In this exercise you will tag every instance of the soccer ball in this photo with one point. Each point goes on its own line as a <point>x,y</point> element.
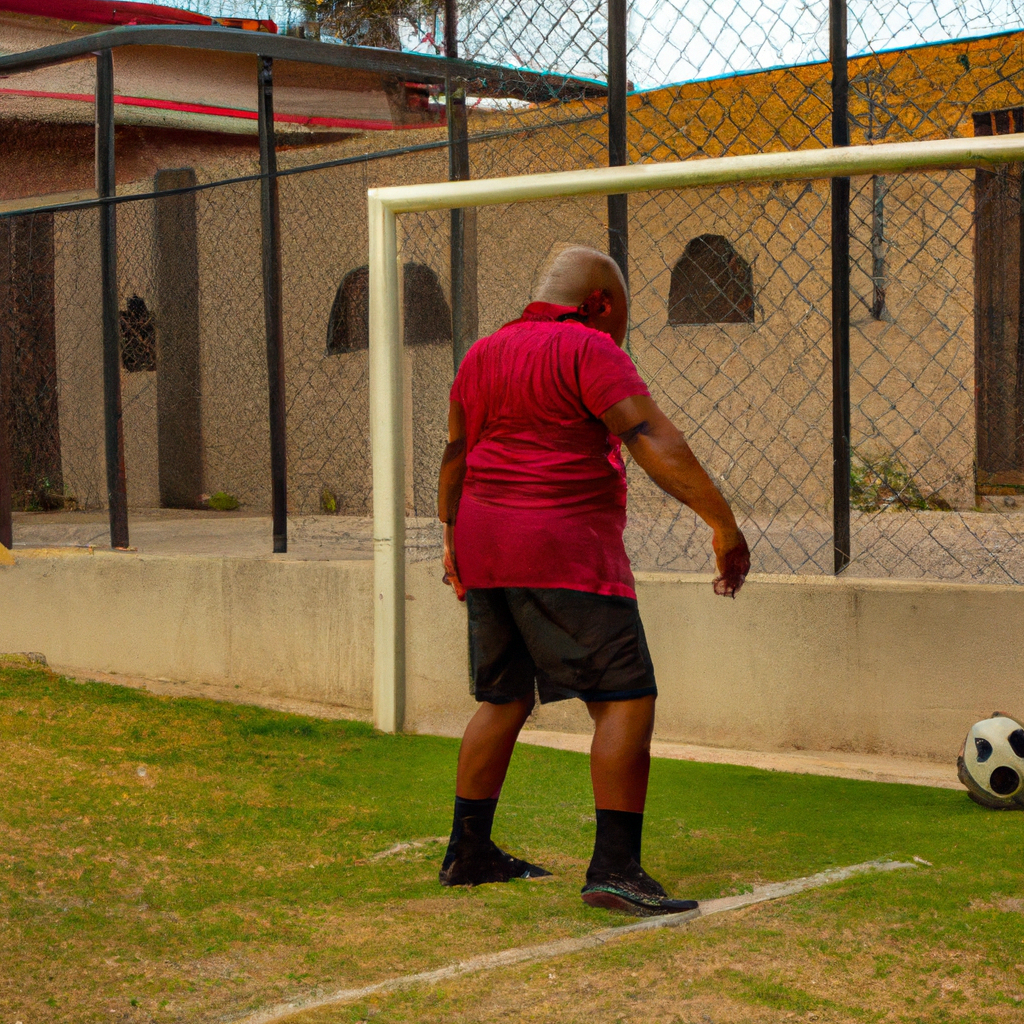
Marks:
<point>991,763</point>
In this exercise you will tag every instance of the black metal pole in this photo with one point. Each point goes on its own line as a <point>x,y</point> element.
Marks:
<point>840,294</point>
<point>6,388</point>
<point>106,185</point>
<point>618,206</point>
<point>271,235</point>
<point>463,222</point>
<point>1019,396</point>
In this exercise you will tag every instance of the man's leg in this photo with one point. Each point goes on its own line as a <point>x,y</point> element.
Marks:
<point>620,754</point>
<point>487,745</point>
<point>620,763</point>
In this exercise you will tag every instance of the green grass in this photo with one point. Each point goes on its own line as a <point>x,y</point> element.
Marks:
<point>180,859</point>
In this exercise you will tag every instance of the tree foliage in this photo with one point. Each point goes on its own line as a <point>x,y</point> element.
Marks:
<point>372,22</point>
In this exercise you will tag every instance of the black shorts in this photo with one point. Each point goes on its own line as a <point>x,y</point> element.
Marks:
<point>569,643</point>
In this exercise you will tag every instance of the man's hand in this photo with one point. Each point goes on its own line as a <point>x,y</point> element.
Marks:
<point>733,558</point>
<point>451,573</point>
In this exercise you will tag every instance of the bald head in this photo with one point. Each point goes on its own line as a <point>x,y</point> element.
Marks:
<point>577,271</point>
<point>573,277</point>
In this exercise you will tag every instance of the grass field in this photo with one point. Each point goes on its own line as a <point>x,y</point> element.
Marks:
<point>179,860</point>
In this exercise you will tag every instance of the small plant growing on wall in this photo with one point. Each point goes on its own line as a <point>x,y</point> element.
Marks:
<point>222,502</point>
<point>883,483</point>
<point>328,502</point>
<point>47,497</point>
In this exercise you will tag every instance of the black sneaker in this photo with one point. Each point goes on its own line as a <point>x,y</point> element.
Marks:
<point>476,864</point>
<point>633,892</point>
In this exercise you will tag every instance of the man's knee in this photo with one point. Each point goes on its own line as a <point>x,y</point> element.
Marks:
<point>512,709</point>
<point>526,705</point>
<point>637,708</point>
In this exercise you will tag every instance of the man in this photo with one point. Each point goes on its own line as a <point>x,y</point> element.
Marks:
<point>532,494</point>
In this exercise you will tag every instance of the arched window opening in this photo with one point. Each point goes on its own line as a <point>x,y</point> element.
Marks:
<point>711,284</point>
<point>138,336</point>
<point>348,329</point>
<point>428,319</point>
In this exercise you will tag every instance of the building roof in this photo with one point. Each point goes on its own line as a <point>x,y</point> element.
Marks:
<point>164,86</point>
<point>124,12</point>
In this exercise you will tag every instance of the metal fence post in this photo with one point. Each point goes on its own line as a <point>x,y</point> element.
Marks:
<point>106,187</point>
<point>271,241</point>
<point>6,395</point>
<point>840,294</point>
<point>463,222</point>
<point>618,206</point>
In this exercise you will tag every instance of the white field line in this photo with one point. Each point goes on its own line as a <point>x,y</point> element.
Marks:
<point>413,844</point>
<point>563,947</point>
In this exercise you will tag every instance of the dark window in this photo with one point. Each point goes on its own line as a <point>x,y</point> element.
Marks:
<point>348,330</point>
<point>138,336</point>
<point>711,284</point>
<point>999,122</point>
<point>428,320</point>
<point>28,361</point>
<point>999,359</point>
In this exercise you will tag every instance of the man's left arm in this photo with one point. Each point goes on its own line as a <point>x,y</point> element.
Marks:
<point>662,452</point>
<point>449,492</point>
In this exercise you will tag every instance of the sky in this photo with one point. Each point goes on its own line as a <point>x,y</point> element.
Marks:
<point>676,40</point>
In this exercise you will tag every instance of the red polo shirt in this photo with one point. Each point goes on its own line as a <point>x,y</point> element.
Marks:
<point>544,499</point>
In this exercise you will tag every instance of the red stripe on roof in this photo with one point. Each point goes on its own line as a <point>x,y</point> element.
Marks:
<point>108,12</point>
<point>202,108</point>
<point>104,12</point>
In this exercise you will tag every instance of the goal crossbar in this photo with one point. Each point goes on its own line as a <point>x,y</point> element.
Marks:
<point>387,438</point>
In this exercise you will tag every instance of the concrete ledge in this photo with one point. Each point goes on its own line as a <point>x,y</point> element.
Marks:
<point>291,629</point>
<point>861,666</point>
<point>888,667</point>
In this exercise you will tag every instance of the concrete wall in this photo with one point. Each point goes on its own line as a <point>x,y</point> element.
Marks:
<point>865,666</point>
<point>279,627</point>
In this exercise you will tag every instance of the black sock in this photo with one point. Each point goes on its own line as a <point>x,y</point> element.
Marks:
<point>472,822</point>
<point>617,842</point>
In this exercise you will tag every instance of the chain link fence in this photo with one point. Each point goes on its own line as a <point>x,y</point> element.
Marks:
<point>731,291</point>
<point>931,261</point>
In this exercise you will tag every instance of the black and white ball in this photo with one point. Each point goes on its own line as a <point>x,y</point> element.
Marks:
<point>991,762</point>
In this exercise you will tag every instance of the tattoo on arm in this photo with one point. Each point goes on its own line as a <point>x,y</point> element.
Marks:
<point>627,437</point>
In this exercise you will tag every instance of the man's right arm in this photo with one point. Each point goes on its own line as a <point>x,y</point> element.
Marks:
<point>662,452</point>
<point>449,491</point>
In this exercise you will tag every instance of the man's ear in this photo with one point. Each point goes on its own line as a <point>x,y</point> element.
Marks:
<point>597,304</point>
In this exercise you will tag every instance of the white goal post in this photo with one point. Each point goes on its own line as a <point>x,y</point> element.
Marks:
<point>387,438</point>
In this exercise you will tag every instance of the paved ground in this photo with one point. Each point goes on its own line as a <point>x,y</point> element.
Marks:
<point>871,767</point>
<point>984,547</point>
<point>236,534</point>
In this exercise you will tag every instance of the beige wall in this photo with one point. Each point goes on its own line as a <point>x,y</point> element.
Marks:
<point>855,665</point>
<point>754,399</point>
<point>79,345</point>
<point>323,238</point>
